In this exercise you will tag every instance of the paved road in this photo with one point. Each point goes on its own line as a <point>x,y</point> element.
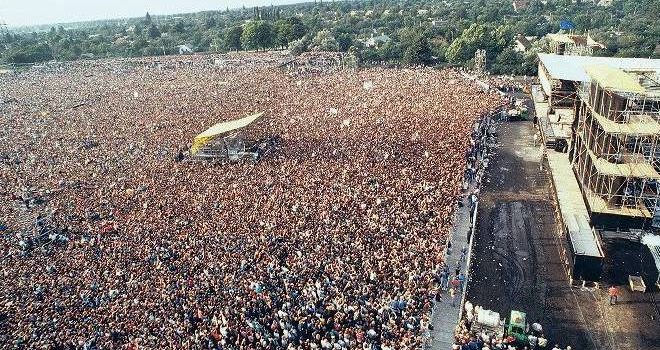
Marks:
<point>445,316</point>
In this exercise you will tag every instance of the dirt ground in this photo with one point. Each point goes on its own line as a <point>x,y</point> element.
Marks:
<point>518,265</point>
<point>635,321</point>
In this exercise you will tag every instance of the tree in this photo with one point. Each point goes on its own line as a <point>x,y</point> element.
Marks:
<point>283,30</point>
<point>324,41</point>
<point>477,36</point>
<point>299,46</point>
<point>233,38</point>
<point>153,32</point>
<point>210,22</point>
<point>344,41</point>
<point>419,52</point>
<point>508,62</point>
<point>298,29</point>
<point>390,51</point>
<point>30,53</point>
<point>138,46</point>
<point>258,35</point>
<point>628,28</point>
<point>179,27</point>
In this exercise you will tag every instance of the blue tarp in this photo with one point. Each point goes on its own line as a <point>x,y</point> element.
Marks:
<point>565,24</point>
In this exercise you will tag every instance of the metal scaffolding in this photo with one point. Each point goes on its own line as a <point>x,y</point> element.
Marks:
<point>480,61</point>
<point>615,145</point>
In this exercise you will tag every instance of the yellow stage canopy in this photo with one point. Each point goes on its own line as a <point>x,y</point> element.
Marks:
<point>221,128</point>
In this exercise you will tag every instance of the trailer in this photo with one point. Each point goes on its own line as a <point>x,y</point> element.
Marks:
<point>636,283</point>
<point>488,321</point>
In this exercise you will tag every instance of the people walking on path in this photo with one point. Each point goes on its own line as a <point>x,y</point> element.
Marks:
<point>455,283</point>
<point>443,277</point>
<point>461,281</point>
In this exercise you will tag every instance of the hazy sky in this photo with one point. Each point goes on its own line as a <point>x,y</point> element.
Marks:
<point>28,12</point>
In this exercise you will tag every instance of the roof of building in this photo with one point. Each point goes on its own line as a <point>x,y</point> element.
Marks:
<point>573,67</point>
<point>577,39</point>
<point>583,239</point>
<point>560,37</point>
<point>379,38</point>
<point>613,78</point>
<point>523,41</point>
<point>520,4</point>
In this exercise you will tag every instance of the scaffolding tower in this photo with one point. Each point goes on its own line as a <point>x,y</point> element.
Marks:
<point>3,27</point>
<point>480,61</point>
<point>615,150</point>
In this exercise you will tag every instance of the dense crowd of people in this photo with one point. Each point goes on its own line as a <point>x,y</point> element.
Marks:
<point>330,242</point>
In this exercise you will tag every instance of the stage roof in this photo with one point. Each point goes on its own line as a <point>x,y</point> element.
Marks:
<point>222,128</point>
<point>573,67</point>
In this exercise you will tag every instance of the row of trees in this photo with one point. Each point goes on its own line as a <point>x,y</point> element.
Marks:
<point>419,32</point>
<point>260,34</point>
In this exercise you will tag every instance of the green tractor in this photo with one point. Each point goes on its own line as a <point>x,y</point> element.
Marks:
<point>517,327</point>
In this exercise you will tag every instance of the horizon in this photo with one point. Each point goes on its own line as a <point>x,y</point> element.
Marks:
<point>18,14</point>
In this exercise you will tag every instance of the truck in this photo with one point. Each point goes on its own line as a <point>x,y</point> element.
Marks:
<point>517,326</point>
<point>489,321</point>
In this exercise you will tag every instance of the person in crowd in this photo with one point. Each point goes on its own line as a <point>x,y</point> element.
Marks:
<point>464,251</point>
<point>461,281</point>
<point>453,294</point>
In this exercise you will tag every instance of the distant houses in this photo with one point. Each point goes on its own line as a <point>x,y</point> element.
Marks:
<point>376,41</point>
<point>523,43</point>
<point>520,5</point>
<point>573,44</point>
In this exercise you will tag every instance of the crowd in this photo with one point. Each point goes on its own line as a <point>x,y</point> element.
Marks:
<point>330,242</point>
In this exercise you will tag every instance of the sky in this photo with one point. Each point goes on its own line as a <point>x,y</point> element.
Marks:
<point>30,12</point>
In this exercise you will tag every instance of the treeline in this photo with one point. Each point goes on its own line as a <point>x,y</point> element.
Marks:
<point>408,32</point>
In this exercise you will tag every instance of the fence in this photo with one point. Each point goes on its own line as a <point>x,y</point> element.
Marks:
<point>484,128</point>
